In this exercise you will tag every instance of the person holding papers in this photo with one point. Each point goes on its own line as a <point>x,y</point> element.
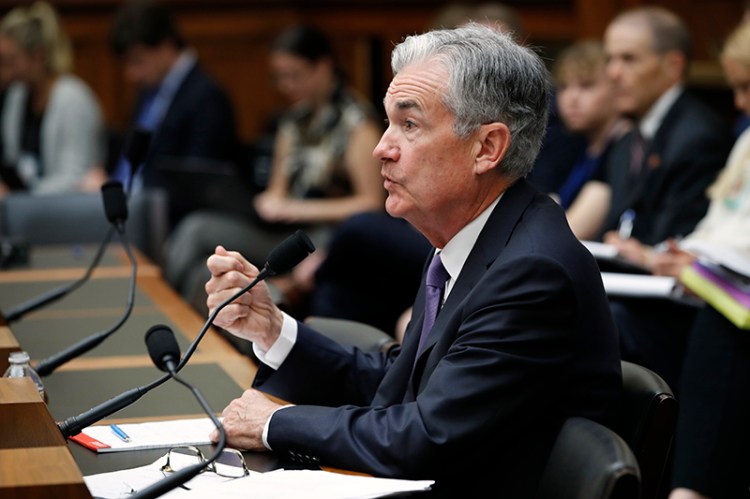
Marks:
<point>651,332</point>
<point>659,171</point>
<point>511,333</point>
<point>711,458</point>
<point>713,435</point>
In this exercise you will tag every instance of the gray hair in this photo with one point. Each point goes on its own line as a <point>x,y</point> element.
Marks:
<point>668,31</point>
<point>490,79</point>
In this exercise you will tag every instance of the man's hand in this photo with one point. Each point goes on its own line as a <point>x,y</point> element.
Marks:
<point>631,249</point>
<point>272,208</point>
<point>244,420</point>
<point>253,315</point>
<point>671,261</point>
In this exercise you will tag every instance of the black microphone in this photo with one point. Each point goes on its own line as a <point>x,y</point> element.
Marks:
<point>281,259</point>
<point>165,353</point>
<point>135,151</point>
<point>163,348</point>
<point>115,202</point>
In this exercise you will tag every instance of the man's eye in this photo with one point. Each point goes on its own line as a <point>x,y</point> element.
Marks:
<point>408,124</point>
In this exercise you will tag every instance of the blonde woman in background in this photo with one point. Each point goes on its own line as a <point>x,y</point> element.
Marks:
<point>713,436</point>
<point>51,122</point>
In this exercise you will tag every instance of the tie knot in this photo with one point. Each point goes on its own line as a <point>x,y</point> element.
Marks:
<point>436,273</point>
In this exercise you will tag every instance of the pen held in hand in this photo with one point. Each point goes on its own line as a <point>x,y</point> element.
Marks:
<point>120,434</point>
<point>625,227</point>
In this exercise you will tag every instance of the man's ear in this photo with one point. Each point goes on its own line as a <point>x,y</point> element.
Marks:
<point>675,64</point>
<point>493,141</point>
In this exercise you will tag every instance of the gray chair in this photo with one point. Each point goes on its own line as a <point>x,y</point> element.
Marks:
<point>649,421</point>
<point>78,218</point>
<point>358,334</point>
<point>589,461</point>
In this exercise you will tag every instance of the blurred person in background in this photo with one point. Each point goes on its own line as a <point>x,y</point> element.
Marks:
<point>190,116</point>
<point>322,173</point>
<point>586,108</point>
<point>658,173</point>
<point>712,436</point>
<point>42,152</point>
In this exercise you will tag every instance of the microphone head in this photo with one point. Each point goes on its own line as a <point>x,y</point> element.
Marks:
<point>137,148</point>
<point>289,253</point>
<point>115,202</point>
<point>162,346</point>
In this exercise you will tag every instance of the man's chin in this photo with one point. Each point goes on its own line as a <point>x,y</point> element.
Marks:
<point>393,207</point>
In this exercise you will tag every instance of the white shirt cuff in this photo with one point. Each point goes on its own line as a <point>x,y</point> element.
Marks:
<point>279,351</point>
<point>268,423</point>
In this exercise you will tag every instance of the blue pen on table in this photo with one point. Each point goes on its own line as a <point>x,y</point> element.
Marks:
<point>120,434</point>
<point>625,227</point>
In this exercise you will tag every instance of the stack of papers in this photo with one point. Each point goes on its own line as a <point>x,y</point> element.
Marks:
<point>101,438</point>
<point>719,289</point>
<point>272,485</point>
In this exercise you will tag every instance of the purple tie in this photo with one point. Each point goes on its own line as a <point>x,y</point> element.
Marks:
<point>435,281</point>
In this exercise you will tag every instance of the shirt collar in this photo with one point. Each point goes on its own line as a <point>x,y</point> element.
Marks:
<point>178,72</point>
<point>654,117</point>
<point>456,251</point>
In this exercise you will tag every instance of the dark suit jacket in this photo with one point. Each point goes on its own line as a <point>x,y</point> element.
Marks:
<point>524,340</point>
<point>198,131</point>
<point>682,160</point>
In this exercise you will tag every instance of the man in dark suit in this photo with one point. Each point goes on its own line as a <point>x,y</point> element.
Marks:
<point>662,168</point>
<point>524,338</point>
<point>191,117</point>
<point>663,183</point>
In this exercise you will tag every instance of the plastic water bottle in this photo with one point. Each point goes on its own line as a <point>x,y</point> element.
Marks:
<point>19,367</point>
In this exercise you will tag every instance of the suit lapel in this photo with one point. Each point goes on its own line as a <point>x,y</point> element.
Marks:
<point>645,185</point>
<point>493,238</point>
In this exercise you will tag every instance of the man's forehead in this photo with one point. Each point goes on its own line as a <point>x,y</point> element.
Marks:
<point>416,86</point>
<point>628,35</point>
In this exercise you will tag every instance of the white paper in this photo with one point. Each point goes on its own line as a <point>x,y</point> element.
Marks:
<point>730,258</point>
<point>306,484</point>
<point>156,434</point>
<point>124,483</point>
<point>601,251</point>
<point>291,484</point>
<point>617,284</point>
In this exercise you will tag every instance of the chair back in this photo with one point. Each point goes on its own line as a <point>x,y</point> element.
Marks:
<point>78,218</point>
<point>649,420</point>
<point>589,461</point>
<point>347,332</point>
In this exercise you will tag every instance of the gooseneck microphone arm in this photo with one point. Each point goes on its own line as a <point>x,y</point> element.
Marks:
<point>55,294</point>
<point>163,349</point>
<point>281,259</point>
<point>48,365</point>
<point>74,425</point>
<point>176,479</point>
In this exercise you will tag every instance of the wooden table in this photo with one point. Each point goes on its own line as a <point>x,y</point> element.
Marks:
<point>118,364</point>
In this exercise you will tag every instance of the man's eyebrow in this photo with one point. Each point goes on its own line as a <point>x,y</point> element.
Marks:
<point>406,104</point>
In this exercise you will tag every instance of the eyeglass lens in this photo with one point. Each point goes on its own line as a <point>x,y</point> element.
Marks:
<point>229,463</point>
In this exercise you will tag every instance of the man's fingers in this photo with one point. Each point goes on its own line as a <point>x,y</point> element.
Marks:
<point>220,264</point>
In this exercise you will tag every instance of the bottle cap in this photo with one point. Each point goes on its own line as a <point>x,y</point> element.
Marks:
<point>18,357</point>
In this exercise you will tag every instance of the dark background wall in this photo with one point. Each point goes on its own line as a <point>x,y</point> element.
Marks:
<point>232,39</point>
